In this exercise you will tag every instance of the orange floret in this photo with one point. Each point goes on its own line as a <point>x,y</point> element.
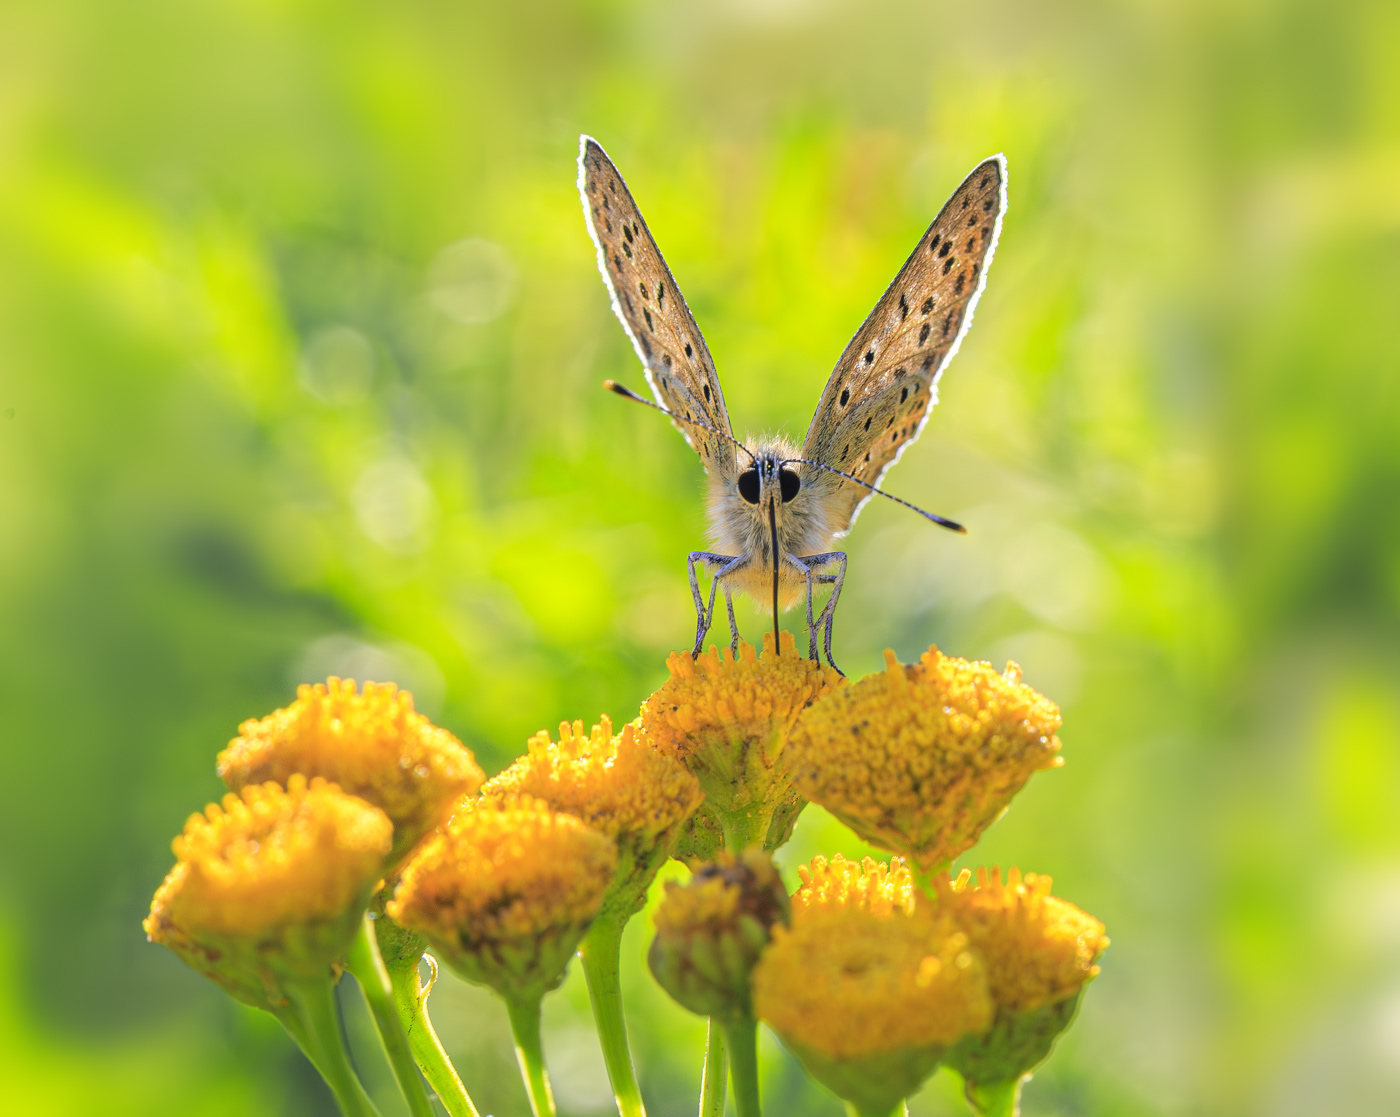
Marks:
<point>869,885</point>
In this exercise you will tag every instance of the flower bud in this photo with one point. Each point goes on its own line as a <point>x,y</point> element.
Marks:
<point>711,930</point>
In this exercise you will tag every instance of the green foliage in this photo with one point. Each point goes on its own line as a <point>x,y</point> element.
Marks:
<point>260,420</point>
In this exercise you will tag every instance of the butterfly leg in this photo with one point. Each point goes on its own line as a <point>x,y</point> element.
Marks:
<point>811,626</point>
<point>835,580</point>
<point>733,626</point>
<point>704,615</point>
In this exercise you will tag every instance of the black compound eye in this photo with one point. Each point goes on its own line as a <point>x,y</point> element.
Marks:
<point>789,483</point>
<point>748,485</point>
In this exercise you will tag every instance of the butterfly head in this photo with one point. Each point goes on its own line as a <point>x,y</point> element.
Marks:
<point>769,476</point>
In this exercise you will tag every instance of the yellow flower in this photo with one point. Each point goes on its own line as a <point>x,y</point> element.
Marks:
<point>869,885</point>
<point>270,884</point>
<point>921,759</point>
<point>728,720</point>
<point>1037,947</point>
<point>619,785</point>
<point>867,992</point>
<point>1039,952</point>
<point>505,891</point>
<point>711,930</point>
<point>373,744</point>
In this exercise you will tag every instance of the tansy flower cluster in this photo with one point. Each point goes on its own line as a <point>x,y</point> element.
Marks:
<point>360,837</point>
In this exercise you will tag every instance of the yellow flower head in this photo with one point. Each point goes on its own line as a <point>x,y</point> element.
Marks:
<point>921,759</point>
<point>711,930</point>
<point>1037,948</point>
<point>506,890</point>
<point>728,720</point>
<point>619,785</point>
<point>270,882</point>
<point>870,1001</point>
<point>1039,952</point>
<point>869,885</point>
<point>851,981</point>
<point>373,744</point>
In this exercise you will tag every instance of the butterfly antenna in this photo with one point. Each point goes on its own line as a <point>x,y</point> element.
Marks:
<point>941,521</point>
<point>627,393</point>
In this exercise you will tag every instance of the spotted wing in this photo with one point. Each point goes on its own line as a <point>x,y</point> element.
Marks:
<point>652,310</point>
<point>886,382</point>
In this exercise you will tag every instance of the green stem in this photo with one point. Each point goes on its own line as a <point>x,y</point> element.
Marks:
<point>412,1000</point>
<point>741,1038</point>
<point>713,1078</point>
<point>923,878</point>
<point>901,1109</point>
<point>311,1008</point>
<point>525,1026</point>
<point>742,830</point>
<point>601,953</point>
<point>368,967</point>
<point>995,1099</point>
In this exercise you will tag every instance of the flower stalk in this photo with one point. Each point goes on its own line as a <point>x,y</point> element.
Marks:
<point>364,961</point>
<point>995,1099</point>
<point>901,1109</point>
<point>714,1076</point>
<point>601,954</point>
<point>524,1014</point>
<point>309,1016</point>
<point>741,1040</point>
<point>411,999</point>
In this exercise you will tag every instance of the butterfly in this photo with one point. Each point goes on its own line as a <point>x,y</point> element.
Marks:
<point>776,509</point>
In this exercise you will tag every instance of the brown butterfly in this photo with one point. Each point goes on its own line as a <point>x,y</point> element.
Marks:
<point>766,497</point>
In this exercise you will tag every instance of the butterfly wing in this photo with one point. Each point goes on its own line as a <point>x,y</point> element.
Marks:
<point>881,392</point>
<point>652,310</point>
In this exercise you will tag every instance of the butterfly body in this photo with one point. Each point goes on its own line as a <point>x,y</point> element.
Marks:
<point>741,526</point>
<point>776,510</point>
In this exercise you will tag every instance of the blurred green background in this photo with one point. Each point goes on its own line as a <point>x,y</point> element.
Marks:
<point>301,343</point>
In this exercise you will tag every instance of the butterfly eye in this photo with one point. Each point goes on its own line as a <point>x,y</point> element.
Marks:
<point>748,485</point>
<point>789,483</point>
